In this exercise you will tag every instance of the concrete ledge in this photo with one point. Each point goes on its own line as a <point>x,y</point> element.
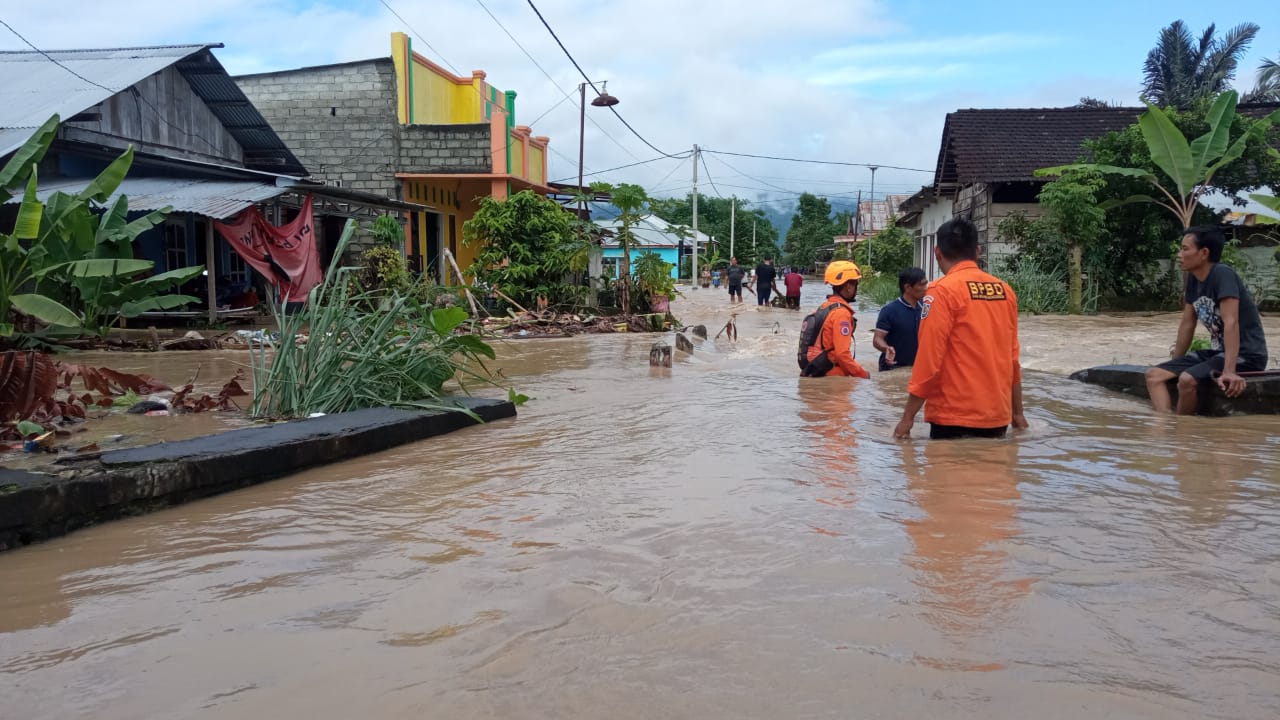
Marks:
<point>138,480</point>
<point>1261,395</point>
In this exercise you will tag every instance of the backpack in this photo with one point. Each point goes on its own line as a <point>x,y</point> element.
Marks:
<point>810,330</point>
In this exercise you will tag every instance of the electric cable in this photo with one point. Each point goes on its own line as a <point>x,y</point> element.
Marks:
<point>592,84</point>
<point>814,162</point>
<point>556,85</point>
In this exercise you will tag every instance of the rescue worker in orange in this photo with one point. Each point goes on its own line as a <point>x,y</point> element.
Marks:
<point>967,374</point>
<point>835,340</point>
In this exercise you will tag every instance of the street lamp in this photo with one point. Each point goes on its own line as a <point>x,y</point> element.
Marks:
<point>604,99</point>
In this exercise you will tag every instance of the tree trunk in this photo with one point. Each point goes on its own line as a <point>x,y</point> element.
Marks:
<point>624,280</point>
<point>1077,279</point>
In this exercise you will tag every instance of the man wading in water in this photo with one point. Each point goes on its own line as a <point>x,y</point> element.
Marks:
<point>735,273</point>
<point>967,368</point>
<point>1216,295</point>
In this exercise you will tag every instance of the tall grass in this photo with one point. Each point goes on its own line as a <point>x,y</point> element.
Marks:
<point>880,289</point>
<point>1044,291</point>
<point>362,349</point>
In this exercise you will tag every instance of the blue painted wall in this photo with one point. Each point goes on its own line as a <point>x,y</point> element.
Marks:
<point>667,254</point>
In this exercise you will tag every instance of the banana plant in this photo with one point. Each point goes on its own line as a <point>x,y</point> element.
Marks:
<point>74,251</point>
<point>1190,165</point>
<point>1271,203</point>
<point>17,270</point>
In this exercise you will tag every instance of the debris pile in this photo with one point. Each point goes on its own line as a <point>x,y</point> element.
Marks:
<point>553,324</point>
<point>38,391</point>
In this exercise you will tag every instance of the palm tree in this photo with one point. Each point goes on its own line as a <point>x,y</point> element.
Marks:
<point>1179,71</point>
<point>1267,88</point>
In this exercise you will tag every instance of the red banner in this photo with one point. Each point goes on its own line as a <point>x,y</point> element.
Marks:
<point>286,256</point>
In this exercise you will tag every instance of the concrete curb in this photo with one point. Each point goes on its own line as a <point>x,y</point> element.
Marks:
<point>128,482</point>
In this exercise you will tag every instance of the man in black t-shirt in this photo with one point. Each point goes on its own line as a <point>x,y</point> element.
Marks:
<point>898,325</point>
<point>765,275</point>
<point>1217,297</point>
<point>735,275</point>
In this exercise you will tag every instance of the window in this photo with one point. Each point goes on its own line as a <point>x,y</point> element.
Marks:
<point>609,267</point>
<point>175,245</point>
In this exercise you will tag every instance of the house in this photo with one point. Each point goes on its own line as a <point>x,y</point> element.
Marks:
<point>987,162</point>
<point>200,148</point>
<point>652,234</point>
<point>405,127</point>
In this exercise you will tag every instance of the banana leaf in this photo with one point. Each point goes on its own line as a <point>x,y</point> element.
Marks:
<point>26,157</point>
<point>1210,146</point>
<point>45,309</point>
<point>108,180</point>
<point>100,268</point>
<point>156,303</point>
<point>1169,149</point>
<point>27,226</point>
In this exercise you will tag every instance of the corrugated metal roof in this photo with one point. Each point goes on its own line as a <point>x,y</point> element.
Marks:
<point>35,88</point>
<point>219,199</point>
<point>650,231</point>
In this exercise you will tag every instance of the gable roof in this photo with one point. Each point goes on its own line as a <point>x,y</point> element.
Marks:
<point>649,231</point>
<point>36,87</point>
<point>1010,144</point>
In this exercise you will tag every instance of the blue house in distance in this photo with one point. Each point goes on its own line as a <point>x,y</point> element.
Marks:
<point>653,234</point>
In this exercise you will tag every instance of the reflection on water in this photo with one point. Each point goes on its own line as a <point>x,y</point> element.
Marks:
<point>725,540</point>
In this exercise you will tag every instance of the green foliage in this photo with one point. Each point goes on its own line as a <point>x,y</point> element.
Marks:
<point>382,267</point>
<point>653,275</point>
<point>1137,236</point>
<point>529,247</point>
<point>714,219</point>
<point>1185,169</point>
<point>364,350</point>
<point>811,228</point>
<point>879,289</point>
<point>1180,70</point>
<point>71,252</point>
<point>892,249</point>
<point>387,230</point>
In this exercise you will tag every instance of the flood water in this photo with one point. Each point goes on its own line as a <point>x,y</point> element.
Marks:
<point>719,540</point>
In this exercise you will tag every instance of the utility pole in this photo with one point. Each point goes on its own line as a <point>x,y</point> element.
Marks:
<point>694,278</point>
<point>857,228</point>
<point>874,168</point>
<point>733,209</point>
<point>582,141</point>
<point>753,237</point>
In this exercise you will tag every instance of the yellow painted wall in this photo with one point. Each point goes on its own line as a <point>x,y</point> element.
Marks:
<point>537,160</point>
<point>517,155</point>
<point>430,95</point>
<point>457,198</point>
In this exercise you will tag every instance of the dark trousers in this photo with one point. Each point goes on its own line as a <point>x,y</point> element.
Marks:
<point>762,294</point>
<point>955,432</point>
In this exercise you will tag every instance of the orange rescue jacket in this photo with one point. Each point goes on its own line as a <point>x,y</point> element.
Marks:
<point>837,336</point>
<point>968,358</point>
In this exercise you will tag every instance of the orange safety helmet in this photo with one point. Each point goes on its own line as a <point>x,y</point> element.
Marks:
<point>841,272</point>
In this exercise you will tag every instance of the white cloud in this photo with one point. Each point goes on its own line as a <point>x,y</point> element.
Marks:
<point>829,79</point>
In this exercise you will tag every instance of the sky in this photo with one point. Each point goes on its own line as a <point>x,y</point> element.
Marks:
<point>857,81</point>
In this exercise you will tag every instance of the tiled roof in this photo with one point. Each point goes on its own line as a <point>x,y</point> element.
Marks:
<point>1010,144</point>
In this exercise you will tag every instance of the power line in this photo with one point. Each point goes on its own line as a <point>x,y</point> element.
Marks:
<point>554,84</point>
<point>137,96</point>
<point>815,162</point>
<point>674,168</point>
<point>424,42</point>
<point>50,58</point>
<point>708,172</point>
<point>592,84</point>
<point>629,165</point>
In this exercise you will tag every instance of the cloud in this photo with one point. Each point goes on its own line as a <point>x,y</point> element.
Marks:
<point>845,80</point>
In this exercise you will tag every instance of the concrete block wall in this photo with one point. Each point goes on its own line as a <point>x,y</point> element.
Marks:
<point>339,120</point>
<point>445,148</point>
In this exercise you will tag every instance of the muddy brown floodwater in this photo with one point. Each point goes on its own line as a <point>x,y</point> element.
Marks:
<point>721,541</point>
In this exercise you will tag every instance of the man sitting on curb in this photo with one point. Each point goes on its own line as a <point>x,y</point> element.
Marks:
<point>1216,295</point>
